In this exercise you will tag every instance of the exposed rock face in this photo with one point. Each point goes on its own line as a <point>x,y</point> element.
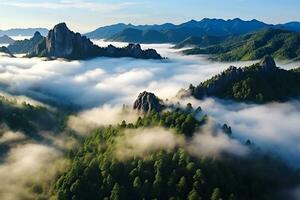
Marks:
<point>268,63</point>
<point>26,46</point>
<point>147,102</point>
<point>63,43</point>
<point>5,51</point>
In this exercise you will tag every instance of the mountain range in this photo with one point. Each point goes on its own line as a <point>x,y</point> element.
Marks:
<point>61,42</point>
<point>281,44</point>
<point>6,40</point>
<point>23,31</point>
<point>260,83</point>
<point>25,46</point>
<point>171,33</point>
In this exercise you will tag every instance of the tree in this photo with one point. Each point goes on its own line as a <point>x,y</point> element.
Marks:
<point>193,195</point>
<point>216,195</point>
<point>182,185</point>
<point>137,183</point>
<point>231,197</point>
<point>116,192</point>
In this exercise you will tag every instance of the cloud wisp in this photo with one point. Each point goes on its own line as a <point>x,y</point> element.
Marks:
<point>209,142</point>
<point>272,127</point>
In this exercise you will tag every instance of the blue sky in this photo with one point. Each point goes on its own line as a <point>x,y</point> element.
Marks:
<point>87,15</point>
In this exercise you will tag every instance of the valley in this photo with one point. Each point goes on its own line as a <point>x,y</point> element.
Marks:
<point>147,100</point>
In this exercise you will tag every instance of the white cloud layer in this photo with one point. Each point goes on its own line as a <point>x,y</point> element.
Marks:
<point>272,127</point>
<point>105,80</point>
<point>209,141</point>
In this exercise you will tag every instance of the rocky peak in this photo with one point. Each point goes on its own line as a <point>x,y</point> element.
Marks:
<point>64,43</point>
<point>61,26</point>
<point>267,62</point>
<point>147,102</point>
<point>37,34</point>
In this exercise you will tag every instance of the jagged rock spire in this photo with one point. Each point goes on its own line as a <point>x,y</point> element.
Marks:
<point>268,62</point>
<point>147,102</point>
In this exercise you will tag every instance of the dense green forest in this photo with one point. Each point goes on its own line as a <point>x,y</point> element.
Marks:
<point>255,83</point>
<point>281,44</point>
<point>97,173</point>
<point>203,41</point>
<point>22,116</point>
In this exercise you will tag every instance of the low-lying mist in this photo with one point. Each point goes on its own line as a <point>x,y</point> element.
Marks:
<point>99,87</point>
<point>92,83</point>
<point>208,141</point>
<point>273,127</point>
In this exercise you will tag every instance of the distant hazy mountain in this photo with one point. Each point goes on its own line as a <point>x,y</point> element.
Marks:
<point>291,26</point>
<point>139,36</point>
<point>170,33</point>
<point>205,27</point>
<point>175,33</point>
<point>6,40</point>
<point>23,31</point>
<point>64,43</point>
<point>195,41</point>
<point>26,46</point>
<point>109,31</point>
<point>281,44</point>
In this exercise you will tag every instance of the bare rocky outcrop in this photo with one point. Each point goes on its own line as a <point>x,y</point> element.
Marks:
<point>147,102</point>
<point>64,43</point>
<point>268,63</point>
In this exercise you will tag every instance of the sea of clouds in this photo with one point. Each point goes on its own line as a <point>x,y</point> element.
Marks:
<point>99,87</point>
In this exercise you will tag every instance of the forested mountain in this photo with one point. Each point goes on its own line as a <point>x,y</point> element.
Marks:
<point>203,41</point>
<point>104,169</point>
<point>291,26</point>
<point>281,44</point>
<point>109,31</point>
<point>139,36</point>
<point>23,31</point>
<point>177,33</point>
<point>28,118</point>
<point>260,83</point>
<point>170,33</point>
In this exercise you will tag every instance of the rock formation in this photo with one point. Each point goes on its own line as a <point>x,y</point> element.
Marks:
<point>6,52</point>
<point>64,43</point>
<point>147,102</point>
<point>26,46</point>
<point>268,63</point>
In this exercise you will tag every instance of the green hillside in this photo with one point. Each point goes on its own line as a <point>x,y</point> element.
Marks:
<point>96,172</point>
<point>281,44</point>
<point>204,41</point>
<point>260,83</point>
